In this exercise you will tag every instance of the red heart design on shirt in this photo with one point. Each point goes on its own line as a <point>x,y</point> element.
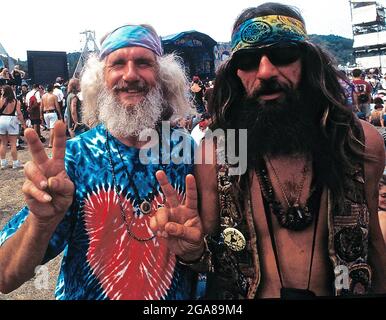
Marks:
<point>126,268</point>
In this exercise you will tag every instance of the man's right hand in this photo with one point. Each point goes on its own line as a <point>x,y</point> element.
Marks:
<point>48,190</point>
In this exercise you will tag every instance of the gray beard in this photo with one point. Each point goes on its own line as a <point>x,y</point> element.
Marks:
<point>123,121</point>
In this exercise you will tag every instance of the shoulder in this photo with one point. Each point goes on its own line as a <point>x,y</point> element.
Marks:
<point>374,153</point>
<point>79,146</point>
<point>373,139</point>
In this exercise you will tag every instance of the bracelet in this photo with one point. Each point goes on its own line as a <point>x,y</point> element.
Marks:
<point>205,258</point>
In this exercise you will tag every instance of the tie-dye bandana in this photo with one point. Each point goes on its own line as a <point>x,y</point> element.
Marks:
<point>261,31</point>
<point>101,260</point>
<point>131,36</point>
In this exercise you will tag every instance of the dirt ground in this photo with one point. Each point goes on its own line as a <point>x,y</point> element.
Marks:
<point>11,201</point>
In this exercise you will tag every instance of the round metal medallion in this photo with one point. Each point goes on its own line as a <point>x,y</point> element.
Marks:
<point>234,239</point>
<point>145,207</point>
<point>349,243</point>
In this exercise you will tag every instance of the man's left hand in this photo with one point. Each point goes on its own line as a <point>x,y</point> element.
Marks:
<point>179,223</point>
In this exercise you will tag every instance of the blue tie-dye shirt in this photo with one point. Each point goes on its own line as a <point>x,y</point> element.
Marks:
<point>101,260</point>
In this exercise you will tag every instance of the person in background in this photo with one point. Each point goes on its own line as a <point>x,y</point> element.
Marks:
<point>376,116</point>
<point>10,115</point>
<point>73,111</point>
<point>198,90</point>
<point>59,94</point>
<point>17,75</point>
<point>50,110</point>
<point>349,90</point>
<point>362,93</point>
<point>382,205</point>
<point>33,99</point>
<point>5,78</point>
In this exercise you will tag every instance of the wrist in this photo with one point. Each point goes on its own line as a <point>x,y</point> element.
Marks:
<point>202,262</point>
<point>46,224</point>
<point>192,257</point>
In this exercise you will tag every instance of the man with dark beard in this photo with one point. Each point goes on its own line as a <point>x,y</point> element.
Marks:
<point>94,198</point>
<point>302,222</point>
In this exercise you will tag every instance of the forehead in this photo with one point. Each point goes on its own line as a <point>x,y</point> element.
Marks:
<point>131,53</point>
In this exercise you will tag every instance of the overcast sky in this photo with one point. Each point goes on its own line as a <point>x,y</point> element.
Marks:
<point>57,25</point>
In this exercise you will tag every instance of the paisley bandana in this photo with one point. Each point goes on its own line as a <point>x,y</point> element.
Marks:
<point>131,36</point>
<point>261,31</point>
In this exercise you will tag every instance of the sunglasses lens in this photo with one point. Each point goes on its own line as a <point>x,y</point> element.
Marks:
<point>283,55</point>
<point>247,61</point>
<point>279,55</point>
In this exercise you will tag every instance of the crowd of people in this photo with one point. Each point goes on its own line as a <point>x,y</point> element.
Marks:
<point>39,108</point>
<point>191,227</point>
<point>366,94</point>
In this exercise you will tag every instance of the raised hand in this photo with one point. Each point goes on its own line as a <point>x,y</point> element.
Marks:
<point>48,190</point>
<point>178,222</point>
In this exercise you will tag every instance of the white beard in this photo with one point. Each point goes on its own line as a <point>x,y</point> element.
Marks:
<point>130,121</point>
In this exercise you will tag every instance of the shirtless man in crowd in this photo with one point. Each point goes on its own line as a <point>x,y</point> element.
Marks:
<point>50,110</point>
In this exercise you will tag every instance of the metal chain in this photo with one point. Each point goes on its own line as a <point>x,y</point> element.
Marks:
<point>128,226</point>
<point>305,170</point>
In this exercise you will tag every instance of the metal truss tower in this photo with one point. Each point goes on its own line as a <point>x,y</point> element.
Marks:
<point>90,46</point>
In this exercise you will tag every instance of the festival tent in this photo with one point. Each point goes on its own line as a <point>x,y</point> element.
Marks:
<point>4,54</point>
<point>196,49</point>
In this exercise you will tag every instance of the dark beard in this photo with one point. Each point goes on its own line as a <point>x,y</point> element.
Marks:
<point>284,126</point>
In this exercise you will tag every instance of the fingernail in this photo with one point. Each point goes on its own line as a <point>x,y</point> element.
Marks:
<point>43,184</point>
<point>47,197</point>
<point>165,234</point>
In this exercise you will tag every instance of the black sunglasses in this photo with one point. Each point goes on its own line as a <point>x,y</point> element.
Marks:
<point>278,55</point>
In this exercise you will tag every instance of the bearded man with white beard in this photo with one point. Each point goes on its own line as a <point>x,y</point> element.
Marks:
<point>94,198</point>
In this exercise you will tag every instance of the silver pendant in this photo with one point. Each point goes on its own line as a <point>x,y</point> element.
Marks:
<point>145,207</point>
<point>234,239</point>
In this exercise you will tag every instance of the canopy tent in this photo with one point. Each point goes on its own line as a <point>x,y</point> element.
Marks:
<point>4,54</point>
<point>196,49</point>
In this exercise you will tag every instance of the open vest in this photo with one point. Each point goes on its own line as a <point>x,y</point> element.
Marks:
<point>237,274</point>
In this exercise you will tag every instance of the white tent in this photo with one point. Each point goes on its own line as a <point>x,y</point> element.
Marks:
<point>4,53</point>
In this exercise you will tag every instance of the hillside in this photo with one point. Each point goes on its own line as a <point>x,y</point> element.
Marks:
<point>339,47</point>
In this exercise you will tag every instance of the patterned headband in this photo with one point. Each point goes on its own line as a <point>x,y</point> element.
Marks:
<point>261,31</point>
<point>131,36</point>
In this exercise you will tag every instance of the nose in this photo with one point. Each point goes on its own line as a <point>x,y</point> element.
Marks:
<point>130,72</point>
<point>267,69</point>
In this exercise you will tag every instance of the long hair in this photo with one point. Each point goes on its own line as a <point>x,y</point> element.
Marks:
<point>382,182</point>
<point>8,94</point>
<point>170,75</point>
<point>73,86</point>
<point>338,149</point>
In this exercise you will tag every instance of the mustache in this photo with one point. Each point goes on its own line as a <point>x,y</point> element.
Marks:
<point>139,86</point>
<point>270,86</point>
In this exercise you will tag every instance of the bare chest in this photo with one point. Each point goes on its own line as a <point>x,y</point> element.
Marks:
<point>301,256</point>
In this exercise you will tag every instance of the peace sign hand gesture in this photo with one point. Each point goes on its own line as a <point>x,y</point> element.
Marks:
<point>48,190</point>
<point>179,223</point>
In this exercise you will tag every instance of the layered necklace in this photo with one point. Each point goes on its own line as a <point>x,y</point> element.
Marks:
<point>144,205</point>
<point>296,217</point>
